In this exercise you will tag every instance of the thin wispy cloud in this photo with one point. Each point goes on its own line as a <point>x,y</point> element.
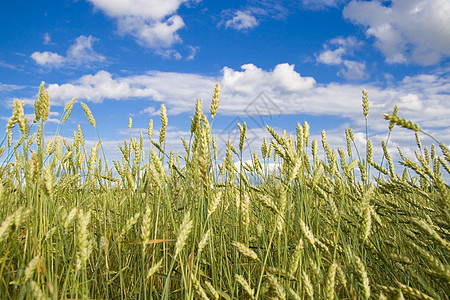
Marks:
<point>320,4</point>
<point>193,51</point>
<point>47,39</point>
<point>241,20</point>
<point>253,13</point>
<point>81,52</point>
<point>333,54</point>
<point>9,66</point>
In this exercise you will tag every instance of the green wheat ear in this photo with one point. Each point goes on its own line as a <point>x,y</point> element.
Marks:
<point>89,114</point>
<point>365,104</point>
<point>303,229</point>
<point>215,101</point>
<point>394,119</point>
<point>402,122</point>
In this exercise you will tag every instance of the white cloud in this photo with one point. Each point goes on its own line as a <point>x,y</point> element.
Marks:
<point>422,98</point>
<point>169,53</point>
<point>277,9</point>
<point>151,33</point>
<point>96,88</point>
<point>9,66</point>
<point>251,80</point>
<point>155,9</point>
<point>241,20</point>
<point>172,88</point>
<point>353,70</point>
<point>154,24</point>
<point>194,51</point>
<point>149,111</point>
<point>81,52</point>
<point>6,89</point>
<point>255,12</point>
<point>47,58</point>
<point>331,57</point>
<point>416,31</point>
<point>320,4</point>
<point>350,69</point>
<point>47,39</point>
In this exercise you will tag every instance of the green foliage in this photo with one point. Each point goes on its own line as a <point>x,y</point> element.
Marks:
<point>72,227</point>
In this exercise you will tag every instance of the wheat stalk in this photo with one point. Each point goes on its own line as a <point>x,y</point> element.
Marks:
<point>36,291</point>
<point>85,246</point>
<point>246,251</point>
<point>212,290</point>
<point>152,271</point>
<point>329,285</point>
<point>185,230</point>
<point>89,115</point>
<point>199,289</point>
<point>243,136</point>
<point>31,267</point>
<point>203,241</point>
<point>279,289</point>
<point>245,285</point>
<point>68,109</point>
<point>215,100</point>
<point>146,228</point>
<point>293,267</point>
<point>364,277</point>
<point>365,103</point>
<point>307,233</point>
<point>402,122</point>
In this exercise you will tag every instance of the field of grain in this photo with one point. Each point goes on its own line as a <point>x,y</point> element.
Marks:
<point>160,225</point>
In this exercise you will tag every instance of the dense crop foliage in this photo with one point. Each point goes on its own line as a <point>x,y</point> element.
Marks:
<point>165,226</point>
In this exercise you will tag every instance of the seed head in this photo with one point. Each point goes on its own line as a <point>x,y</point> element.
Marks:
<point>185,230</point>
<point>88,113</point>
<point>402,122</point>
<point>162,132</point>
<point>305,133</point>
<point>150,130</point>
<point>243,136</point>
<point>391,123</point>
<point>365,103</point>
<point>246,251</point>
<point>215,101</point>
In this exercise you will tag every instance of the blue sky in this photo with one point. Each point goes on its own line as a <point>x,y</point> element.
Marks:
<point>278,63</point>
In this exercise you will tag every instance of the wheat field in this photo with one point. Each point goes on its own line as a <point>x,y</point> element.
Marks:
<point>159,225</point>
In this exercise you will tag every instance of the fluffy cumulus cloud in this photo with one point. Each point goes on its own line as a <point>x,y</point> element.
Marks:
<point>96,88</point>
<point>172,88</point>
<point>422,98</point>
<point>252,91</point>
<point>252,79</point>
<point>81,52</point>
<point>241,20</point>
<point>154,24</point>
<point>333,52</point>
<point>405,31</point>
<point>47,58</point>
